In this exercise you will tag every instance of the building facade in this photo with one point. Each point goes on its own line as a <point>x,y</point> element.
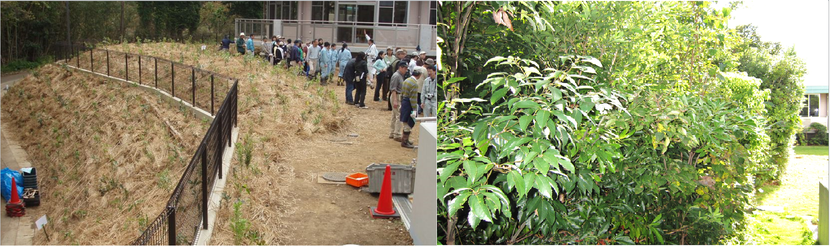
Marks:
<point>405,24</point>
<point>815,106</point>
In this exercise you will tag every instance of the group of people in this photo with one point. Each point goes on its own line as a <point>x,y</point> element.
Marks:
<point>407,82</point>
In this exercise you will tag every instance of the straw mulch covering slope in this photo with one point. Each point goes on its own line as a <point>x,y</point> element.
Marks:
<point>295,129</point>
<point>106,160</point>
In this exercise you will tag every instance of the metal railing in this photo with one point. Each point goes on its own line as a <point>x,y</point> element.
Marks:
<point>186,210</point>
<point>190,84</point>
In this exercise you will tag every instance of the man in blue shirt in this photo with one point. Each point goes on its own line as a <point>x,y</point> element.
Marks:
<point>324,63</point>
<point>226,43</point>
<point>250,44</point>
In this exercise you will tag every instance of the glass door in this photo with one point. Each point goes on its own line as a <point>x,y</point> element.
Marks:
<point>350,18</point>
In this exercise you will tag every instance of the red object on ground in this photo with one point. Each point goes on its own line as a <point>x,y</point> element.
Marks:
<point>385,208</point>
<point>15,207</point>
<point>15,196</point>
<point>357,179</point>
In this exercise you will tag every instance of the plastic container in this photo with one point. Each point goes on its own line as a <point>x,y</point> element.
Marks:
<point>357,179</point>
<point>30,181</point>
<point>403,178</point>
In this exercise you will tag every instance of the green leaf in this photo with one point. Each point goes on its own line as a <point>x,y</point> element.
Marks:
<point>471,169</point>
<point>457,202</point>
<point>495,59</point>
<point>473,220</point>
<point>557,94</point>
<point>499,94</point>
<point>518,182</point>
<point>542,166</point>
<point>498,193</point>
<point>591,60</point>
<point>478,208</point>
<point>524,121</point>
<point>542,184</point>
<point>586,106</point>
<point>566,163</point>
<point>528,178</point>
<point>449,170</point>
<point>527,104</point>
<point>542,117</point>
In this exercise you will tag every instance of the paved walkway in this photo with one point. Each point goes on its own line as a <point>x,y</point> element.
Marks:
<point>15,230</point>
<point>18,230</point>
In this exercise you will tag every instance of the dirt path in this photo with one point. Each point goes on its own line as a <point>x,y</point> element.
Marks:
<point>301,211</point>
<point>340,214</point>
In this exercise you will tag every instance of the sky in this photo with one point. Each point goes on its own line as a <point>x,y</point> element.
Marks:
<point>802,24</point>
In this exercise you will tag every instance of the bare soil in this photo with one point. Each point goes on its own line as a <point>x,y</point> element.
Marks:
<point>296,129</point>
<point>105,159</point>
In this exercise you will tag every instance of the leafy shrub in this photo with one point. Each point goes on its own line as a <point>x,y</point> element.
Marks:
<point>558,155</point>
<point>820,137</point>
<point>18,65</point>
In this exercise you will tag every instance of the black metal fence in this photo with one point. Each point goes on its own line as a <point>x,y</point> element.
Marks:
<point>196,86</point>
<point>186,211</point>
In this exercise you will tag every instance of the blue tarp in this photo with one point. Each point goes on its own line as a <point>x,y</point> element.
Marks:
<point>6,176</point>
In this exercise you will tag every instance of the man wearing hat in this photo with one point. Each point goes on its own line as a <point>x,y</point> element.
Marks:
<point>240,43</point>
<point>409,98</point>
<point>394,99</point>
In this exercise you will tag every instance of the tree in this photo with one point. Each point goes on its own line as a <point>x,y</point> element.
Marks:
<point>781,73</point>
<point>214,15</point>
<point>246,9</point>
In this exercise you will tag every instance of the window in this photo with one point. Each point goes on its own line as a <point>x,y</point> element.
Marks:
<point>347,12</point>
<point>433,8</point>
<point>810,108</point>
<point>322,10</point>
<point>392,12</point>
<point>282,10</point>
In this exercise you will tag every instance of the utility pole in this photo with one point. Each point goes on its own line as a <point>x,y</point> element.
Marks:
<point>68,33</point>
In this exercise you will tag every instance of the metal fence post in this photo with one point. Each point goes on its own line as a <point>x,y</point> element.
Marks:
<point>235,100</point>
<point>171,226</point>
<point>78,58</point>
<point>172,79</point>
<point>193,85</point>
<point>108,62</point>
<point>91,60</point>
<point>139,69</point>
<point>156,71</point>
<point>211,97</point>
<point>126,67</point>
<point>204,188</point>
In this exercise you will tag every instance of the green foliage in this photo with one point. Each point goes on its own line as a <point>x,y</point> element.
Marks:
<point>820,137</point>
<point>244,149</point>
<point>168,19</point>
<point>245,9</point>
<point>241,228</point>
<point>18,65</point>
<point>644,133</point>
<point>781,73</point>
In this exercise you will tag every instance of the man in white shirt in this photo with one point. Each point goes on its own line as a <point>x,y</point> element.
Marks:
<point>371,55</point>
<point>313,58</point>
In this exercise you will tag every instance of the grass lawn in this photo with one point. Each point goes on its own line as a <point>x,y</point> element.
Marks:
<point>811,150</point>
<point>776,229</point>
<point>797,194</point>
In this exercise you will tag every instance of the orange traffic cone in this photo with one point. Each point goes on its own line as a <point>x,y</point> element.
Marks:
<point>15,206</point>
<point>385,208</point>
